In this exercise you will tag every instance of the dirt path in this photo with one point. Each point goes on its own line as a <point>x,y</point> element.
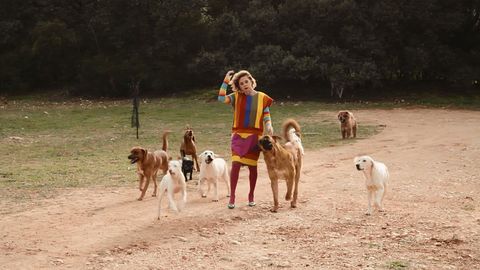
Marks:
<point>432,218</point>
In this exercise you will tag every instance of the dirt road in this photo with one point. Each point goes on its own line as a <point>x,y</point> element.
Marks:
<point>432,218</point>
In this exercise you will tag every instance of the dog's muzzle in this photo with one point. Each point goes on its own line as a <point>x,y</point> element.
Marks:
<point>342,120</point>
<point>266,144</point>
<point>208,160</point>
<point>358,167</point>
<point>133,159</point>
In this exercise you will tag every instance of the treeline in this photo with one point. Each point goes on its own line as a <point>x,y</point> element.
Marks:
<point>108,47</point>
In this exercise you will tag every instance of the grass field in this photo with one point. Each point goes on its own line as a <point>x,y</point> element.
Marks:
<point>80,143</point>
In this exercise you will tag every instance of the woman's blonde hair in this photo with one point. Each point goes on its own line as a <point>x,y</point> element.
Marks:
<point>236,78</point>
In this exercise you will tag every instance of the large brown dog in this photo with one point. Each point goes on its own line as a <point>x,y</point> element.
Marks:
<point>188,146</point>
<point>348,124</point>
<point>284,161</point>
<point>148,165</point>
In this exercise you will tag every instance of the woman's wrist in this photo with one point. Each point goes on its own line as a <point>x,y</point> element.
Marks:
<point>268,124</point>
<point>268,127</point>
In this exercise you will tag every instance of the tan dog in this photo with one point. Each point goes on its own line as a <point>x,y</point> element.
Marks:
<point>188,146</point>
<point>284,161</point>
<point>348,124</point>
<point>148,165</point>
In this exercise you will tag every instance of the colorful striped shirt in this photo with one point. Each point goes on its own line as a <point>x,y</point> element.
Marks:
<point>250,112</point>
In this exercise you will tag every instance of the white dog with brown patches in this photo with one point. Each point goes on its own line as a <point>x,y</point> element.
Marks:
<point>173,182</point>
<point>212,169</point>
<point>376,178</point>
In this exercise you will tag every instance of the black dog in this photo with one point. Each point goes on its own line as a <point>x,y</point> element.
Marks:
<point>187,167</point>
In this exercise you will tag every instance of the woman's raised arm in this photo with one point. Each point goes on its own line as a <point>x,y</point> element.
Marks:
<point>222,93</point>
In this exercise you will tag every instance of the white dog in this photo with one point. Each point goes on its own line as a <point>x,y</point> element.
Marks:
<point>212,168</point>
<point>173,182</point>
<point>376,178</point>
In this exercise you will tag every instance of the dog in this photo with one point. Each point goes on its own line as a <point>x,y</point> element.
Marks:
<point>284,161</point>
<point>212,169</point>
<point>173,182</point>
<point>348,124</point>
<point>188,146</point>
<point>148,165</point>
<point>376,178</point>
<point>187,167</point>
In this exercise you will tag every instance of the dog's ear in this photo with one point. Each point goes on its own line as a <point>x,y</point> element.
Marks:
<point>193,138</point>
<point>339,114</point>
<point>144,151</point>
<point>277,138</point>
<point>372,162</point>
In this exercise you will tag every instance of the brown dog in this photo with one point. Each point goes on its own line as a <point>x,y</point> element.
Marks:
<point>284,161</point>
<point>348,124</point>
<point>188,146</point>
<point>148,165</point>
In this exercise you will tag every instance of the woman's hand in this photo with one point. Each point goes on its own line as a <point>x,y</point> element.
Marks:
<point>228,76</point>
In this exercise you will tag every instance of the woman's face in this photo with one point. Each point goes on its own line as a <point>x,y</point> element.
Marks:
<point>245,84</point>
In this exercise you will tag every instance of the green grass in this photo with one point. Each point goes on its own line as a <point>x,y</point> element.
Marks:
<point>79,143</point>
<point>458,102</point>
<point>397,265</point>
<point>468,207</point>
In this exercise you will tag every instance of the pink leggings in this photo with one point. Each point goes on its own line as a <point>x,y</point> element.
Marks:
<point>234,180</point>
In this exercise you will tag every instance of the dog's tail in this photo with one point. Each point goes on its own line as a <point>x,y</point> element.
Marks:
<point>165,141</point>
<point>287,125</point>
<point>292,133</point>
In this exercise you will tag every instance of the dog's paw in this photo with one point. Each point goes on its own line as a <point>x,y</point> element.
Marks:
<point>293,205</point>
<point>274,210</point>
<point>204,195</point>
<point>368,213</point>
<point>215,200</point>
<point>139,199</point>
<point>228,196</point>
<point>154,195</point>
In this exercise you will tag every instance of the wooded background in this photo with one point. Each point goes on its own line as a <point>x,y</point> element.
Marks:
<point>337,47</point>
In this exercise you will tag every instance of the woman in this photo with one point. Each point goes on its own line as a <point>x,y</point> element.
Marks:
<point>251,115</point>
